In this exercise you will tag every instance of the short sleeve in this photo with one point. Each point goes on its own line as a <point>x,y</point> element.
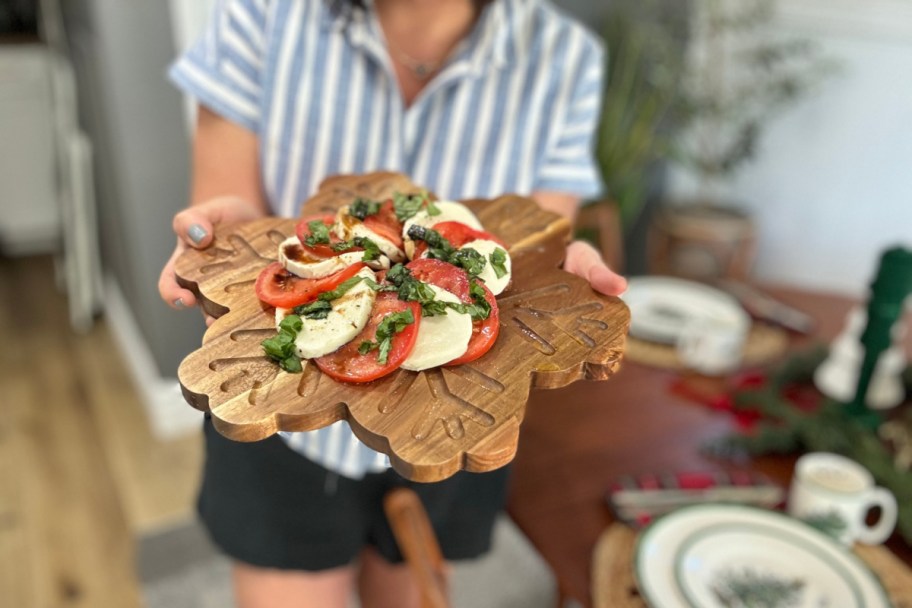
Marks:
<point>222,70</point>
<point>569,165</point>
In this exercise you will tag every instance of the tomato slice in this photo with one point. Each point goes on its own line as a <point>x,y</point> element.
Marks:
<point>458,234</point>
<point>484,333</point>
<point>386,224</point>
<point>348,365</point>
<point>278,287</point>
<point>443,275</point>
<point>321,251</point>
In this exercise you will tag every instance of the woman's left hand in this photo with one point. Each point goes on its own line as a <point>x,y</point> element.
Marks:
<point>584,261</point>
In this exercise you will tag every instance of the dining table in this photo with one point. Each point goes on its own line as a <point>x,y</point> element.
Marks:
<point>576,441</point>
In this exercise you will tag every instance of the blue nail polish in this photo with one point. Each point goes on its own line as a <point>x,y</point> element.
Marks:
<point>197,233</point>
<point>179,303</point>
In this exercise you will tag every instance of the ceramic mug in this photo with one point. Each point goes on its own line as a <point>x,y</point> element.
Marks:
<point>835,493</point>
<point>712,346</point>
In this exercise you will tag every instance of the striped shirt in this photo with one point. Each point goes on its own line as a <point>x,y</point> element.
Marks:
<point>513,110</point>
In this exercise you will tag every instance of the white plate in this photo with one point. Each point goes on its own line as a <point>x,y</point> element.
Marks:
<point>695,556</point>
<point>660,307</point>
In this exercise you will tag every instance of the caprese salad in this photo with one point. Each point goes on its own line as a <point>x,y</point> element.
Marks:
<point>407,282</point>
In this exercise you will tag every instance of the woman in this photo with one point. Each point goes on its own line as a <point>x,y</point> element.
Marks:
<point>471,99</point>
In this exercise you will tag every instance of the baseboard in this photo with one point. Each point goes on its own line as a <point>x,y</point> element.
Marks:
<point>169,416</point>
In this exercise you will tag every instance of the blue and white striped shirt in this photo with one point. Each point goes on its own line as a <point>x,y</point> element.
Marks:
<point>513,110</point>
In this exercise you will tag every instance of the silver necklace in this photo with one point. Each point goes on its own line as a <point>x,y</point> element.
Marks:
<point>422,70</point>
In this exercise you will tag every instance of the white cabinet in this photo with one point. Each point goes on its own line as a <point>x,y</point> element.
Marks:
<point>29,213</point>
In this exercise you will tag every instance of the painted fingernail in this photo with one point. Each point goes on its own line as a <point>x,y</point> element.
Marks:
<point>196,233</point>
<point>179,303</point>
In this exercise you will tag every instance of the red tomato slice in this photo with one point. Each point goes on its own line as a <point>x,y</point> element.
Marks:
<point>349,365</point>
<point>386,224</point>
<point>278,287</point>
<point>458,234</point>
<point>484,333</point>
<point>443,275</point>
<point>321,251</point>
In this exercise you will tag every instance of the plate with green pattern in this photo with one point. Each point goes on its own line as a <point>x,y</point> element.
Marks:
<point>731,556</point>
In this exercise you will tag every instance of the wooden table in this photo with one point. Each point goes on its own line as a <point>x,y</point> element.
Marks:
<point>575,441</point>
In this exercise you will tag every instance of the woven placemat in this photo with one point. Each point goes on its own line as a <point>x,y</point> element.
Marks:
<point>764,344</point>
<point>614,584</point>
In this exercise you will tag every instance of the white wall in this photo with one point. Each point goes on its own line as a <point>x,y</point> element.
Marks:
<point>831,186</point>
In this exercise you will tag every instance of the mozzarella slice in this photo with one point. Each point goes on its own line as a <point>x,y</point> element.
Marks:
<point>450,211</point>
<point>440,339</point>
<point>347,227</point>
<point>299,262</point>
<point>348,317</point>
<point>486,248</point>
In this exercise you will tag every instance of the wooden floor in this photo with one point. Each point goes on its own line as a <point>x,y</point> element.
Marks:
<point>81,477</point>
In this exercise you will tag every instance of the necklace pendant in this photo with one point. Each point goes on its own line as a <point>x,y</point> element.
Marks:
<point>422,71</point>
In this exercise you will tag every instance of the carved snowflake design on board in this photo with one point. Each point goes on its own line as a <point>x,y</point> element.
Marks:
<point>554,330</point>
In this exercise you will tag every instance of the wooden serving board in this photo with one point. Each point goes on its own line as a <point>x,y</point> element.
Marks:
<point>554,330</point>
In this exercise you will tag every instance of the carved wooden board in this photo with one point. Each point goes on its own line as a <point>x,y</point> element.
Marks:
<point>554,330</point>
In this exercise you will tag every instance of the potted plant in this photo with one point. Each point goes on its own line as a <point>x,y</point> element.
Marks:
<point>739,73</point>
<point>639,102</point>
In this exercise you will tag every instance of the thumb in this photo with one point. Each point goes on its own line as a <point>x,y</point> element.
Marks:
<point>193,227</point>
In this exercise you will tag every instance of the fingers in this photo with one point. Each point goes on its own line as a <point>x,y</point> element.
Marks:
<point>583,260</point>
<point>173,294</point>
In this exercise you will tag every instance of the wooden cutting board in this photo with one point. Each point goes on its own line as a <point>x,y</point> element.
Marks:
<point>554,330</point>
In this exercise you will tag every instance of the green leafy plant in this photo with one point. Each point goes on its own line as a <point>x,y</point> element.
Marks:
<point>641,97</point>
<point>741,71</point>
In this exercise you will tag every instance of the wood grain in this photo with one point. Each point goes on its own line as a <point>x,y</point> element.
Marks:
<point>554,330</point>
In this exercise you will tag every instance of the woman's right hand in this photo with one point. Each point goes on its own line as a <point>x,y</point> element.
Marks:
<point>194,227</point>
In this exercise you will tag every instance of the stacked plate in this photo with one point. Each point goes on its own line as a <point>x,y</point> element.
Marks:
<point>728,556</point>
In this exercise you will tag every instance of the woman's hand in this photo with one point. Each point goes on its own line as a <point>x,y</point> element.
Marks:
<point>584,261</point>
<point>194,227</point>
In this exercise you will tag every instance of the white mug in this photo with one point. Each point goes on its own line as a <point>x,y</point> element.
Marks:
<point>833,489</point>
<point>712,346</point>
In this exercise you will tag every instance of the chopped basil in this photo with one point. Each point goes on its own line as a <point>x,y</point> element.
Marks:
<point>319,234</point>
<point>318,309</point>
<point>390,326</point>
<point>498,259</point>
<point>469,260</point>
<point>407,205</point>
<point>440,248</point>
<point>482,308</point>
<point>371,249</point>
<point>432,209</point>
<point>343,288</point>
<point>363,207</point>
<point>281,348</point>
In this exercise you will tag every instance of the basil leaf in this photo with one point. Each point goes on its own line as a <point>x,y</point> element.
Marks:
<point>319,234</point>
<point>468,259</point>
<point>371,249</point>
<point>292,364</point>
<point>498,259</point>
<point>363,207</point>
<point>343,288</point>
<point>291,323</point>
<point>432,209</point>
<point>407,205</point>
<point>387,329</point>
<point>318,309</point>
<point>281,348</point>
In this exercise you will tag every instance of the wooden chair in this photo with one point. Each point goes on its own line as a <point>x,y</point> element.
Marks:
<point>419,545</point>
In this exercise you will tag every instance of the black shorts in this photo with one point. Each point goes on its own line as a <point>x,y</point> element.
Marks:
<point>266,505</point>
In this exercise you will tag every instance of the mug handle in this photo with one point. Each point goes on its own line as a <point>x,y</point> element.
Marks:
<point>879,532</point>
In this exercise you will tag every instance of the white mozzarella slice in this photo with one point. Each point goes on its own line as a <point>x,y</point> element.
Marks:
<point>300,263</point>
<point>486,248</point>
<point>347,227</point>
<point>440,339</point>
<point>450,211</point>
<point>348,317</point>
